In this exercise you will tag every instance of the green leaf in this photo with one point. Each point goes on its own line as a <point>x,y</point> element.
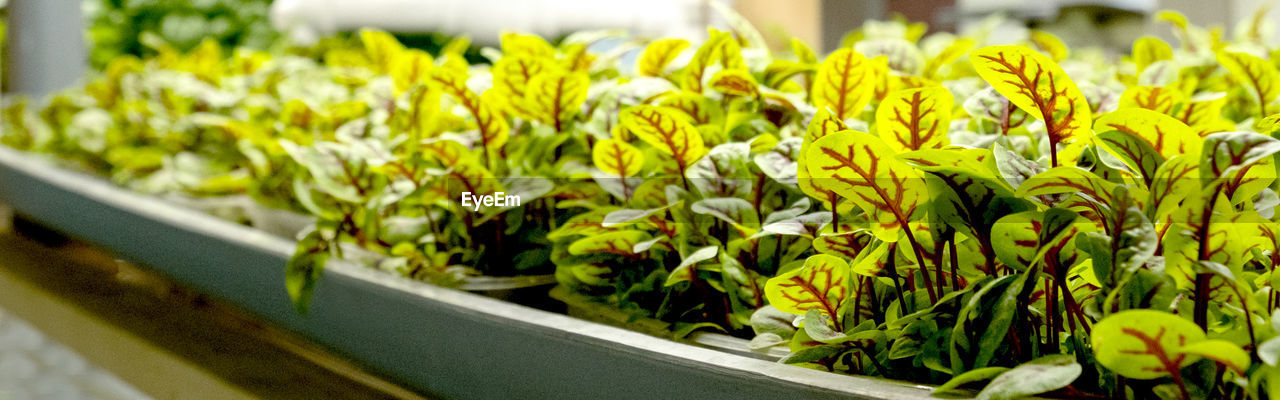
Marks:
<point>304,270</point>
<point>738,212</point>
<point>1037,376</point>
<point>685,270</point>
<point>1226,353</point>
<point>977,375</point>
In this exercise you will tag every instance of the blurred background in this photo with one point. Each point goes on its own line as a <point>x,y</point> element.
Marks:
<point>52,42</point>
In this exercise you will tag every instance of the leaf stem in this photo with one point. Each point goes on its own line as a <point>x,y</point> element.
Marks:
<point>892,267</point>
<point>924,270</point>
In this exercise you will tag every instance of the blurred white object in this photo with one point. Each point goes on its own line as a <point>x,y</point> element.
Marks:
<point>306,21</point>
<point>46,45</point>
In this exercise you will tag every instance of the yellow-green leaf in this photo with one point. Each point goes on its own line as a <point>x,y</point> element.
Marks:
<point>655,57</point>
<point>915,119</point>
<point>1149,49</point>
<point>1226,353</point>
<point>734,82</point>
<point>1176,179</point>
<point>617,157</point>
<point>1165,134</point>
<point>554,97</point>
<point>619,242</point>
<point>947,56</point>
<point>843,83</point>
<point>493,127</point>
<point>532,45</point>
<point>1037,85</point>
<point>860,167</point>
<point>410,67</point>
<point>511,76</point>
<point>1154,98</point>
<point>802,51</point>
<point>702,110</point>
<point>719,47</point>
<point>824,123</point>
<point>1070,180</point>
<point>1050,44</point>
<point>1257,74</point>
<point>381,48</point>
<point>670,134</point>
<point>1138,343</point>
<point>821,284</point>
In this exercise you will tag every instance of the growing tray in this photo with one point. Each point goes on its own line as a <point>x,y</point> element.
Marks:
<point>442,342</point>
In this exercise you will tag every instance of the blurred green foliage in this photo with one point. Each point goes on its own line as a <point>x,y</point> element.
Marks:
<point>116,27</point>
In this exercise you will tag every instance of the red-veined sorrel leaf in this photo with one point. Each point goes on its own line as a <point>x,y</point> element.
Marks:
<point>617,157</point>
<point>1226,152</point>
<point>1260,76</point>
<point>665,131</point>
<point>511,76</point>
<point>821,284</point>
<point>860,167</point>
<point>847,244</point>
<point>1203,109</point>
<point>619,243</point>
<point>412,66</point>
<point>1069,180</point>
<point>1049,44</point>
<point>655,57</point>
<point>1166,135</point>
<point>947,56</point>
<point>1221,351</point>
<point>445,151</point>
<point>779,73</point>
<point>1224,240</point>
<point>915,119</point>
<point>843,84</point>
<point>553,97</point>
<point>735,211</point>
<point>381,48</point>
<point>824,123</point>
<point>1154,98</point>
<point>1135,152</point>
<point>701,109</point>
<point>1144,344</point>
<point>721,48</point>
<point>1149,49</point>
<point>494,130</point>
<point>585,224</point>
<point>1177,178</point>
<point>521,44</point>
<point>1044,374</point>
<point>1020,240</point>
<point>1038,86</point>
<point>734,82</point>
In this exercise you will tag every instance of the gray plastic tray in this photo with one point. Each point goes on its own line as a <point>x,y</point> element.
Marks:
<point>444,343</point>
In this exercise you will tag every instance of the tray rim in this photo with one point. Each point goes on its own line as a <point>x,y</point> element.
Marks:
<point>21,172</point>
